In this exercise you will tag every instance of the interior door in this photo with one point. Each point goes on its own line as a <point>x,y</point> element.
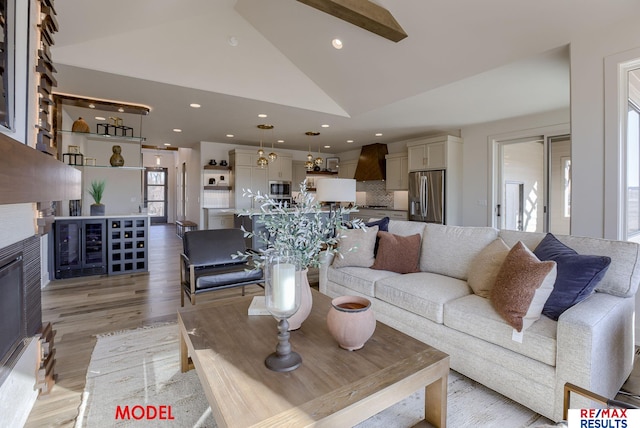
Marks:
<point>521,161</point>
<point>514,205</point>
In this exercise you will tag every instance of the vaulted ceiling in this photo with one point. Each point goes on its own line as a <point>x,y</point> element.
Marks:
<point>463,62</point>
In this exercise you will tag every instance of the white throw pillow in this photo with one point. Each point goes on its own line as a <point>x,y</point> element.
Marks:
<point>355,247</point>
<point>485,266</point>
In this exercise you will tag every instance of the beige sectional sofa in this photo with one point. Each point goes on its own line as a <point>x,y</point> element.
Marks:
<point>591,344</point>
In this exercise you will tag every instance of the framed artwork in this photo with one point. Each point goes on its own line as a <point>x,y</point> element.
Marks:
<point>332,164</point>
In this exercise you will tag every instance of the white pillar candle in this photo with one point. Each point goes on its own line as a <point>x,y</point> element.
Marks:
<point>284,286</point>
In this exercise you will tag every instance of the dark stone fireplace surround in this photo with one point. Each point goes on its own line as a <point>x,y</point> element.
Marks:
<point>30,310</point>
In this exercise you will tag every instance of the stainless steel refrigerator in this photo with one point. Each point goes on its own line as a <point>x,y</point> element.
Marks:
<point>426,196</point>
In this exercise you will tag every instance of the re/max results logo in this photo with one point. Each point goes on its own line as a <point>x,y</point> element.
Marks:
<point>604,418</point>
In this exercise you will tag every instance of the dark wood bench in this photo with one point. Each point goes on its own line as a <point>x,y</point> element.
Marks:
<point>183,226</point>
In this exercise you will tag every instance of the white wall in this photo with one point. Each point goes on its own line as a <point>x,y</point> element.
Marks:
<point>588,53</point>
<point>476,158</point>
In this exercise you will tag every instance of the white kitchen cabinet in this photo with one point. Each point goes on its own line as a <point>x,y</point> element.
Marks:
<point>246,175</point>
<point>347,169</point>
<point>220,220</point>
<point>299,173</point>
<point>424,156</point>
<point>397,171</point>
<point>281,168</point>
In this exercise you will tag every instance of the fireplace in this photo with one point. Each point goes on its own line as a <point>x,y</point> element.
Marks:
<point>20,303</point>
<point>12,316</point>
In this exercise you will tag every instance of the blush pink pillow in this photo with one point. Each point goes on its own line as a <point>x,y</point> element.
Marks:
<point>397,253</point>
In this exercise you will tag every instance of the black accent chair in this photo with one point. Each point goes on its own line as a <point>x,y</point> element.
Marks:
<point>206,263</point>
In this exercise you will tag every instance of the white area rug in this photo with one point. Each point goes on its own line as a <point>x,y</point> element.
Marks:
<point>141,367</point>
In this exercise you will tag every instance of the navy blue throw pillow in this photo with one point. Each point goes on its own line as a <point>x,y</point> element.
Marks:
<point>577,277</point>
<point>383,224</point>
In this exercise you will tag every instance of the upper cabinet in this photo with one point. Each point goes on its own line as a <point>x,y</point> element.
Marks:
<point>347,169</point>
<point>246,174</point>
<point>397,171</point>
<point>281,168</point>
<point>432,153</point>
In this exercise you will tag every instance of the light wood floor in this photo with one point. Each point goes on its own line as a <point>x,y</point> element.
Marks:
<point>81,308</point>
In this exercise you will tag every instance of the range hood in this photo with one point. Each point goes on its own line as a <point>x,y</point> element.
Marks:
<point>372,164</point>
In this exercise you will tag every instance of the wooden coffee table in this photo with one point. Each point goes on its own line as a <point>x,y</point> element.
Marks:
<point>333,387</point>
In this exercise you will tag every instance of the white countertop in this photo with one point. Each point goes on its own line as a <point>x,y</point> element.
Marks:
<point>95,217</point>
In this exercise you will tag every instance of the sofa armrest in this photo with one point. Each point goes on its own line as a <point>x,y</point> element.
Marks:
<point>326,259</point>
<point>596,344</point>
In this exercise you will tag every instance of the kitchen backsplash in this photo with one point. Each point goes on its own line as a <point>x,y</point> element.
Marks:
<point>376,193</point>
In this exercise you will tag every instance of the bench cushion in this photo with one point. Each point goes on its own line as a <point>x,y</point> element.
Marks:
<point>226,275</point>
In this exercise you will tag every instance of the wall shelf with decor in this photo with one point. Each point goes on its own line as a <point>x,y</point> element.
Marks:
<point>103,139</point>
<point>216,185</point>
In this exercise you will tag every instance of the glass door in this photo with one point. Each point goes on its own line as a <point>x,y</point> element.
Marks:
<point>155,194</point>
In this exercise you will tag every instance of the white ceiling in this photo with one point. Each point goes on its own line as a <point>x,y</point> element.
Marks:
<point>464,62</point>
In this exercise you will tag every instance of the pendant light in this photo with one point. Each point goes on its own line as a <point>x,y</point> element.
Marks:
<point>272,156</point>
<point>319,161</point>
<point>262,161</point>
<point>310,163</point>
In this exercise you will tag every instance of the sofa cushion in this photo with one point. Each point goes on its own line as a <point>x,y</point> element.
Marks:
<point>578,274</point>
<point>622,277</point>
<point>355,247</point>
<point>406,228</point>
<point>357,278</point>
<point>485,266</point>
<point>448,250</point>
<point>522,287</point>
<point>422,293</point>
<point>397,253</point>
<point>475,316</point>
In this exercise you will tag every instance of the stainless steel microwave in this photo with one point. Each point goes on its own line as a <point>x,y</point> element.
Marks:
<point>279,189</point>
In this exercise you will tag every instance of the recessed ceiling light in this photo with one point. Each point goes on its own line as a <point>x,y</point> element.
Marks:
<point>325,125</point>
<point>194,105</point>
<point>349,141</point>
<point>336,43</point>
<point>92,106</point>
<point>167,144</point>
<point>100,118</point>
<point>378,134</point>
<point>230,135</point>
<point>177,130</point>
<point>262,115</point>
<point>233,41</point>
<point>280,141</point>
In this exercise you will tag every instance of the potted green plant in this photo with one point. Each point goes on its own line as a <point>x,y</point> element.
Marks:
<point>303,231</point>
<point>96,190</point>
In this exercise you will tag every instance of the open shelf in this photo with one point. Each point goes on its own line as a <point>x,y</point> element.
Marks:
<point>217,167</point>
<point>112,138</point>
<point>217,187</point>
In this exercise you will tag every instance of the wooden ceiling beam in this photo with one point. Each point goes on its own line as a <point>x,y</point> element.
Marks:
<point>362,13</point>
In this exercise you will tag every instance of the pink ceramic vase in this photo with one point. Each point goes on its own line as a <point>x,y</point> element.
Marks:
<point>351,321</point>
<point>306,301</point>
